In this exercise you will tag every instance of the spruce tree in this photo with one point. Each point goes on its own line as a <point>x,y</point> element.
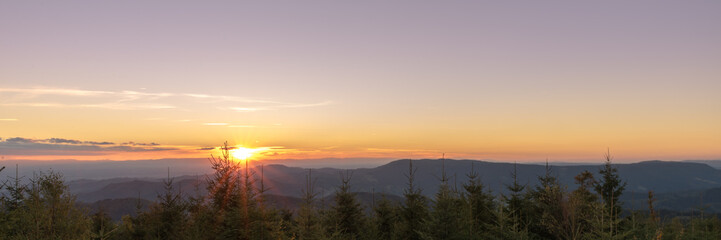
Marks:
<point>445,218</point>
<point>102,226</point>
<point>518,207</point>
<point>480,206</point>
<point>385,216</point>
<point>610,187</point>
<point>347,214</point>
<point>308,222</point>
<point>169,214</point>
<point>548,198</point>
<point>50,212</point>
<point>413,215</point>
<point>579,209</point>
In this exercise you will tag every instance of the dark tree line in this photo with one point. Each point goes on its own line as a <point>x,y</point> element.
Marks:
<point>236,208</point>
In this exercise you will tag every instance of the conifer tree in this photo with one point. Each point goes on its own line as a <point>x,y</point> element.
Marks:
<point>548,199</point>
<point>518,207</point>
<point>50,211</point>
<point>610,187</point>
<point>579,208</point>
<point>103,227</point>
<point>308,222</point>
<point>413,215</point>
<point>267,223</point>
<point>168,216</point>
<point>385,216</point>
<point>480,206</point>
<point>199,215</point>
<point>445,218</point>
<point>347,214</point>
<point>222,186</point>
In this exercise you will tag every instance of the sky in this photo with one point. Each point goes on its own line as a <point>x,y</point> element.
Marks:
<point>494,80</point>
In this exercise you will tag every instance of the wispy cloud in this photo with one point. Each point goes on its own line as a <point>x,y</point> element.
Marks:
<point>246,109</point>
<point>241,126</point>
<point>63,146</point>
<point>8,119</point>
<point>215,124</point>
<point>136,100</point>
<point>54,91</point>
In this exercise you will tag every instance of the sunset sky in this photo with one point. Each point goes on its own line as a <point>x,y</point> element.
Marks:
<point>503,80</point>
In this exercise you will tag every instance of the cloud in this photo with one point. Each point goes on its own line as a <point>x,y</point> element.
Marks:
<point>54,91</point>
<point>306,105</point>
<point>215,124</point>
<point>62,140</point>
<point>18,140</point>
<point>139,149</point>
<point>8,119</point>
<point>98,143</point>
<point>62,146</point>
<point>206,148</point>
<point>136,100</point>
<point>245,109</point>
<point>140,144</point>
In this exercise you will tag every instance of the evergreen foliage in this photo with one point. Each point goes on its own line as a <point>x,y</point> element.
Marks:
<point>479,207</point>
<point>347,216</point>
<point>413,215</point>
<point>609,188</point>
<point>235,208</point>
<point>385,215</point>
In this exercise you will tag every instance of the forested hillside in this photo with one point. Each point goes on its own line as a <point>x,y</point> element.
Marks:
<point>235,204</point>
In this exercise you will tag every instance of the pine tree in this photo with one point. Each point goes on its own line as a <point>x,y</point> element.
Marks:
<point>103,227</point>
<point>445,218</point>
<point>199,215</point>
<point>267,223</point>
<point>347,214</point>
<point>518,207</point>
<point>222,185</point>
<point>579,208</point>
<point>12,211</point>
<point>308,222</point>
<point>49,211</point>
<point>610,187</point>
<point>385,216</point>
<point>480,206</point>
<point>413,215</point>
<point>548,200</point>
<point>168,216</point>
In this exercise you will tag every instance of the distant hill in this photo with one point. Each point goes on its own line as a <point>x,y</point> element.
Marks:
<point>673,182</point>
<point>157,168</point>
<point>712,163</point>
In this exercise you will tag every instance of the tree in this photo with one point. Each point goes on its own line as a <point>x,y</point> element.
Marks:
<point>347,214</point>
<point>548,200</point>
<point>103,226</point>
<point>308,223</point>
<point>610,187</point>
<point>518,206</point>
<point>385,215</point>
<point>480,205</point>
<point>49,211</point>
<point>222,183</point>
<point>579,209</point>
<point>168,216</point>
<point>414,212</point>
<point>445,218</point>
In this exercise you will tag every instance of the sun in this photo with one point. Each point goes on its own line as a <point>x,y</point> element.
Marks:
<point>242,153</point>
